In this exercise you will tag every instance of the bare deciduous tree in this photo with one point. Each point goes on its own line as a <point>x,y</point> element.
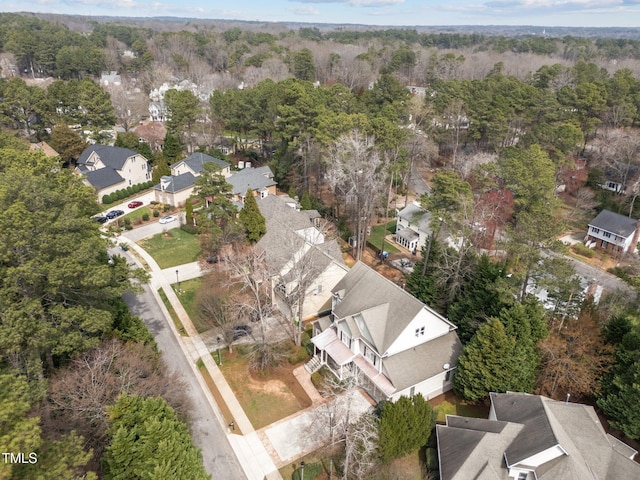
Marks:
<point>585,201</point>
<point>248,270</point>
<point>79,394</point>
<point>358,173</point>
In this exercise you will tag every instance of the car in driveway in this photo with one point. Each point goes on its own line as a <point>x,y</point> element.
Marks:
<point>135,204</point>
<point>114,214</point>
<point>240,331</point>
<point>168,219</point>
<point>100,219</point>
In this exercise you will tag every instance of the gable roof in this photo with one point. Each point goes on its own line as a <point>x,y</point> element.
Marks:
<point>251,178</point>
<point>614,223</point>
<point>113,157</point>
<point>526,426</point>
<point>426,360</point>
<point>363,289</point>
<point>417,216</point>
<point>103,177</point>
<point>177,183</point>
<point>196,162</point>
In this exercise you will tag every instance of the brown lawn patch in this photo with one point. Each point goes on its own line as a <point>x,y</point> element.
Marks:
<point>265,398</point>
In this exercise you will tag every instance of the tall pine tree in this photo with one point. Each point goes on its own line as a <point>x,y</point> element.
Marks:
<point>250,216</point>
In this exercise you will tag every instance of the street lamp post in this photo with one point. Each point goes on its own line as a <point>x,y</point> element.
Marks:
<point>178,280</point>
<point>302,470</point>
<point>219,357</point>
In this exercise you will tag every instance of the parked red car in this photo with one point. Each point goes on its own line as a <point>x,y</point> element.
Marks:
<point>135,204</point>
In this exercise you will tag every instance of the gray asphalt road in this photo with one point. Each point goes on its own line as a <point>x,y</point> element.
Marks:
<point>208,435</point>
<point>152,228</point>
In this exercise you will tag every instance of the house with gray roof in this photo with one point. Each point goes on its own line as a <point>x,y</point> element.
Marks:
<point>396,344</point>
<point>108,169</point>
<point>260,180</point>
<point>300,256</point>
<point>195,162</point>
<point>613,232</point>
<point>531,437</point>
<point>412,227</point>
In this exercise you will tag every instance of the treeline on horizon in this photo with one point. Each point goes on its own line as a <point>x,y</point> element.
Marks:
<point>47,48</point>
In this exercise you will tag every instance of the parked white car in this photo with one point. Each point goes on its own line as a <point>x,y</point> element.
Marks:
<point>168,219</point>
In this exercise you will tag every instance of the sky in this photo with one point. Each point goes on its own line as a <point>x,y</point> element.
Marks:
<point>572,13</point>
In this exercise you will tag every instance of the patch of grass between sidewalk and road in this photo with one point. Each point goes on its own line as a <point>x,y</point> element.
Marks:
<point>172,313</point>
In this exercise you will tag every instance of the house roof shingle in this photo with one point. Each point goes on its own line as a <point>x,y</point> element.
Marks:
<point>529,425</point>
<point>113,157</point>
<point>251,178</point>
<point>196,162</point>
<point>362,289</point>
<point>177,183</point>
<point>103,177</point>
<point>614,223</point>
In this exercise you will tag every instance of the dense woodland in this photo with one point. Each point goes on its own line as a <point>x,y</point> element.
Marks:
<point>503,122</point>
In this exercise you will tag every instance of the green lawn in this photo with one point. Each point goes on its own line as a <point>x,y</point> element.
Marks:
<point>172,248</point>
<point>172,312</point>
<point>375,238</point>
<point>187,296</point>
<point>452,405</point>
<point>136,216</point>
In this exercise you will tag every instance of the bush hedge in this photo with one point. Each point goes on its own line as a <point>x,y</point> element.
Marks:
<point>107,200</point>
<point>145,217</point>
<point>189,229</point>
<point>583,250</point>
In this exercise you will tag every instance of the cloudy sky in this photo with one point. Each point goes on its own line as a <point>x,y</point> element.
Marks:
<point>587,13</point>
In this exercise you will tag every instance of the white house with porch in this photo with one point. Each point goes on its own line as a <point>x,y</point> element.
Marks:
<point>395,343</point>
<point>412,227</point>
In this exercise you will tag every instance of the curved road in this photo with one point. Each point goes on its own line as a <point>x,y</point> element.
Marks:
<point>208,435</point>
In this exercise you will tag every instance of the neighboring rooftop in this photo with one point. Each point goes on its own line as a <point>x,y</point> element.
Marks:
<point>114,157</point>
<point>176,183</point>
<point>614,223</point>
<point>251,178</point>
<point>535,435</point>
<point>196,162</point>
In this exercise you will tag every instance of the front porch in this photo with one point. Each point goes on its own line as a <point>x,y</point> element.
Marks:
<point>344,363</point>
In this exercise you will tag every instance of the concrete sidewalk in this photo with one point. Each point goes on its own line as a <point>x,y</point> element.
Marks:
<point>254,458</point>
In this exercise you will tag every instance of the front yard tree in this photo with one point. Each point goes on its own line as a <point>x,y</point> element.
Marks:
<point>493,362</point>
<point>254,223</point>
<point>404,426</point>
<point>356,170</point>
<point>150,441</point>
<point>57,289</point>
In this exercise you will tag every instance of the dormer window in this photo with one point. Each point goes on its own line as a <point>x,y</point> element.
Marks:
<point>419,332</point>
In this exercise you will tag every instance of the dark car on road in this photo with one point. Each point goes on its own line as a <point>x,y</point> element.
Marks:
<point>135,204</point>
<point>241,331</point>
<point>101,219</point>
<point>114,213</point>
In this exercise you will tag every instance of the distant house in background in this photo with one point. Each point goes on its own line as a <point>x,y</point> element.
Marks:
<point>397,344</point>
<point>45,148</point>
<point>110,79</point>
<point>194,164</point>
<point>108,169</point>
<point>412,227</point>
<point>158,111</point>
<point>531,437</point>
<point>618,180</point>
<point>613,232</point>
<point>259,180</point>
<point>176,188</point>
<point>295,247</point>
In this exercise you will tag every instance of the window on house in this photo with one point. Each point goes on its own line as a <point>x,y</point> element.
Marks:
<point>606,234</point>
<point>523,476</point>
<point>412,391</point>
<point>419,331</point>
<point>595,230</point>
